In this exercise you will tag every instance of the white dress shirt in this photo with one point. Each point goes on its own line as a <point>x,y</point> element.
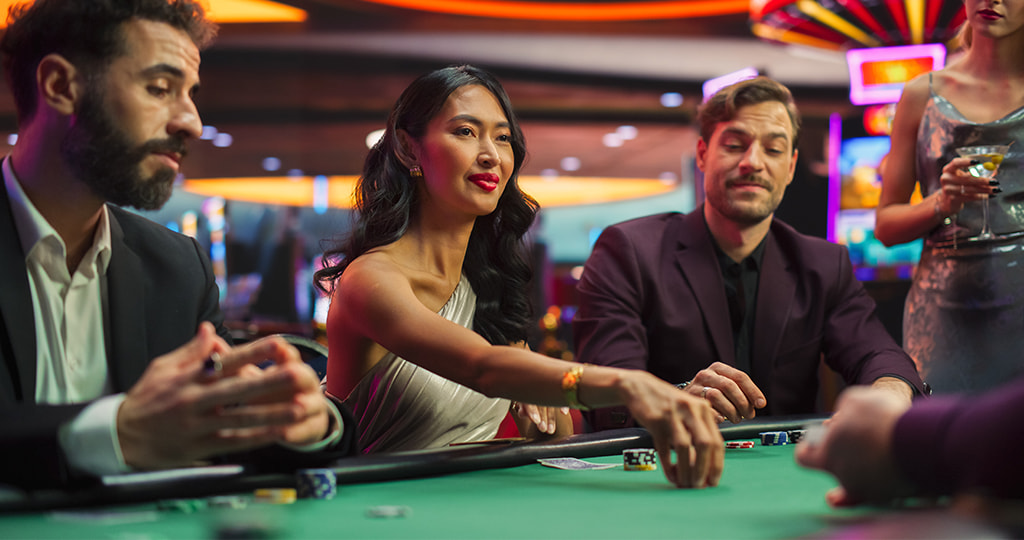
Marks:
<point>70,310</point>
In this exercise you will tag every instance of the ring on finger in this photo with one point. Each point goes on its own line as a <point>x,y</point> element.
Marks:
<point>212,366</point>
<point>704,392</point>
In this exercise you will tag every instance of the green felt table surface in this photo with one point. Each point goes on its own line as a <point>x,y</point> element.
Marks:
<point>762,494</point>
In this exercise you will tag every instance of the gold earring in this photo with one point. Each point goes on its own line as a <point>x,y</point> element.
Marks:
<point>415,171</point>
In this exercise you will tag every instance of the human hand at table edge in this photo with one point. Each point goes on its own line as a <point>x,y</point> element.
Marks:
<point>178,414</point>
<point>730,391</point>
<point>856,448</point>
<point>535,421</point>
<point>678,422</point>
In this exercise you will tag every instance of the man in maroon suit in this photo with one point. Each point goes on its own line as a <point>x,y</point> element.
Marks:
<point>727,301</point>
<point>880,450</point>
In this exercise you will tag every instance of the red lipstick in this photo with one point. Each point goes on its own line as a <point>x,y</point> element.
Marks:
<point>485,181</point>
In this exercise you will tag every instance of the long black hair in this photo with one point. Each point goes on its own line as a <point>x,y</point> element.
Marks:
<point>386,201</point>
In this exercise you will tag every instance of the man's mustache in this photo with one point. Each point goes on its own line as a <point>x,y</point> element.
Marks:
<point>751,179</point>
<point>174,145</point>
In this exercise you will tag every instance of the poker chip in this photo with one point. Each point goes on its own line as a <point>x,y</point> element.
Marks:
<point>388,511</point>
<point>228,501</point>
<point>774,438</point>
<point>275,496</point>
<point>639,459</point>
<point>316,483</point>
<point>185,506</point>
<point>739,444</point>
<point>796,435</point>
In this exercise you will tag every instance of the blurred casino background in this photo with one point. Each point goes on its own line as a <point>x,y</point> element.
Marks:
<point>293,91</point>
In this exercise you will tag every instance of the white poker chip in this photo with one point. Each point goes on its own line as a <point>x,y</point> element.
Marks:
<point>388,511</point>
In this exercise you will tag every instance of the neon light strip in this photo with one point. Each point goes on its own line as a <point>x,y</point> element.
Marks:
<point>252,11</point>
<point>225,11</point>
<point>899,16</point>
<point>826,17</point>
<point>855,57</point>
<point>758,8</point>
<point>783,19</point>
<point>566,11</point>
<point>858,10</point>
<point>835,181</point>
<point>337,191</point>
<point>765,31</point>
<point>915,18</point>
<point>932,17</point>
<point>959,18</point>
<point>711,86</point>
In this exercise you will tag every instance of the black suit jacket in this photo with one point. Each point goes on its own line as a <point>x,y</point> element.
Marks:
<point>160,287</point>
<point>652,297</point>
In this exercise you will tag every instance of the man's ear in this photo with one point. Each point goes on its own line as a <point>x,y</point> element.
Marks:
<point>407,149</point>
<point>59,84</point>
<point>792,167</point>
<point>702,150</point>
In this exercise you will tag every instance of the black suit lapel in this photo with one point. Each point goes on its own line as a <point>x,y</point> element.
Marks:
<point>698,263</point>
<point>774,301</point>
<point>126,321</point>
<point>19,372</point>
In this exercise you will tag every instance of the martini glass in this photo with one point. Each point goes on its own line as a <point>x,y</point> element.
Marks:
<point>985,162</point>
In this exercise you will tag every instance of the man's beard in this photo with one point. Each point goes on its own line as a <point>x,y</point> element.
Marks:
<point>104,158</point>
<point>743,212</point>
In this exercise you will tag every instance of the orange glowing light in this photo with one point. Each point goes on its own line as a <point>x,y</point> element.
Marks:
<point>298,191</point>
<point>575,11</point>
<point>252,11</point>
<point>221,11</point>
<point>895,71</point>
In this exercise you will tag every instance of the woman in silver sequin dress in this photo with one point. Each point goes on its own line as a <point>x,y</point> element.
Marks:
<point>428,302</point>
<point>964,316</point>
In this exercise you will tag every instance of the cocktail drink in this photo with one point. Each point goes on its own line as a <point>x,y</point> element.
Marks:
<point>985,162</point>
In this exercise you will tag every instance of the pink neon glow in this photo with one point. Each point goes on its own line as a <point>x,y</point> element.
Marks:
<point>714,85</point>
<point>861,94</point>
<point>835,181</point>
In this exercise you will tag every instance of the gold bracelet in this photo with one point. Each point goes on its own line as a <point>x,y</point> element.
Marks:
<point>571,387</point>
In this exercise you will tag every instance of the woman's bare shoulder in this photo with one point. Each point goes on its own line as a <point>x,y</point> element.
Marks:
<point>370,272</point>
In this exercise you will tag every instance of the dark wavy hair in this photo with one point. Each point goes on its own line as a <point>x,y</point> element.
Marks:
<point>88,33</point>
<point>726,103</point>
<point>386,201</point>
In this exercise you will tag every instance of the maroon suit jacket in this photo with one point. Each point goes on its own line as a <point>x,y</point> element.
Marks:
<point>956,444</point>
<point>651,297</point>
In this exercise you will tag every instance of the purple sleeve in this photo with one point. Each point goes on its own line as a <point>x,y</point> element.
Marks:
<point>608,328</point>
<point>953,444</point>
<point>857,345</point>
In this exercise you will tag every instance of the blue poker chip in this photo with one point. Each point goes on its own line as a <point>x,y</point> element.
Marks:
<point>774,438</point>
<point>316,483</point>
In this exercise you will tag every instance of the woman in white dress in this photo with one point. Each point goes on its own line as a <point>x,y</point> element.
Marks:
<point>429,306</point>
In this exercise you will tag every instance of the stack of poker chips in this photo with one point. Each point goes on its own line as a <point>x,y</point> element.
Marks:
<point>774,438</point>
<point>639,459</point>
<point>795,435</point>
<point>316,483</point>
<point>739,444</point>
<point>274,495</point>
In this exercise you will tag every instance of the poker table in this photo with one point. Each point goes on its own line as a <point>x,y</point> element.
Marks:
<point>495,490</point>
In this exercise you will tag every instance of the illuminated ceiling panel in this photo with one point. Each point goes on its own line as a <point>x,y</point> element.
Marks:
<point>224,11</point>
<point>852,24</point>
<point>300,191</point>
<point>249,11</point>
<point>575,11</point>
